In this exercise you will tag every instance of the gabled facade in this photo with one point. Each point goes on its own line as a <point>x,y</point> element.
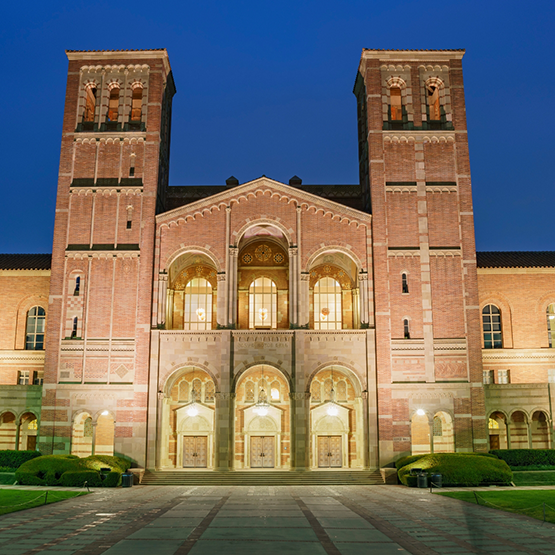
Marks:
<point>271,325</point>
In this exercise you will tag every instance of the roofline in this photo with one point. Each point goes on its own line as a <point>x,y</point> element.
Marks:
<point>111,54</point>
<point>412,55</point>
<point>216,200</point>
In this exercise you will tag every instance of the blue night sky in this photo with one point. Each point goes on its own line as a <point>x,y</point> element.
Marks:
<point>266,88</point>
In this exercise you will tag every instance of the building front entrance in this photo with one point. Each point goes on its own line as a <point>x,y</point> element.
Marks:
<point>194,451</point>
<point>329,452</point>
<point>262,451</point>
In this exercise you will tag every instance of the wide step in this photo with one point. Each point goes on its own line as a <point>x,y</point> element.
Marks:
<point>252,478</point>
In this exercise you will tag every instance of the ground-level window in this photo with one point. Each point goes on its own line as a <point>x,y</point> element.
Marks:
<point>489,377</point>
<point>23,377</point>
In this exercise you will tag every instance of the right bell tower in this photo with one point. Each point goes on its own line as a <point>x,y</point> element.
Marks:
<point>415,176</point>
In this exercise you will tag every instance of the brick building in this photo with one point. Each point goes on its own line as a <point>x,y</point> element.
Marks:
<point>264,324</point>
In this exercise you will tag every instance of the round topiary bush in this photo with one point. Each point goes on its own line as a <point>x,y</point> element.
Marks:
<point>80,478</point>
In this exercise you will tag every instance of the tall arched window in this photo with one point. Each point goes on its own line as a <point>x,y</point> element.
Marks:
<point>263,304</point>
<point>136,104</point>
<point>434,108</point>
<point>113,105</point>
<point>90,104</point>
<point>551,325</point>
<point>491,325</point>
<point>396,104</point>
<point>36,318</point>
<point>197,310</point>
<point>327,304</point>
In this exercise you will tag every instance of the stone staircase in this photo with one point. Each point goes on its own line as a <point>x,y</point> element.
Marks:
<point>262,478</point>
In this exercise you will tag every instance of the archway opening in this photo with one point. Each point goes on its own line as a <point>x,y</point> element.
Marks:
<point>336,420</point>
<point>540,430</point>
<point>519,430</point>
<point>8,430</point>
<point>104,440</point>
<point>497,429</point>
<point>82,435</point>
<point>443,433</point>
<point>420,434</point>
<point>28,431</point>
<point>262,419</point>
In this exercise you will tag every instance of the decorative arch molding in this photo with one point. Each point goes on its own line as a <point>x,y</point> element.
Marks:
<point>540,409</point>
<point>523,411</point>
<point>10,411</point>
<point>238,234</point>
<point>193,249</point>
<point>28,411</point>
<point>239,374</point>
<point>350,371</point>
<point>544,301</point>
<point>169,379</point>
<point>333,247</point>
<point>434,82</point>
<point>99,412</point>
<point>500,411</point>
<point>396,82</point>
<point>78,413</point>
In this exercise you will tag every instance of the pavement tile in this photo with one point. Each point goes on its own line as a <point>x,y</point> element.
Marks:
<point>342,535</point>
<point>150,533</point>
<point>144,547</point>
<point>261,521</point>
<point>268,534</point>
<point>207,547</point>
<point>370,549</point>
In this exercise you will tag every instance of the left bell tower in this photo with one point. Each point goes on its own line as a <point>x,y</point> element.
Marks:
<point>113,175</point>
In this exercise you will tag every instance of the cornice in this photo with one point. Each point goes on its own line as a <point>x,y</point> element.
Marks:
<point>22,356</point>
<point>518,355</point>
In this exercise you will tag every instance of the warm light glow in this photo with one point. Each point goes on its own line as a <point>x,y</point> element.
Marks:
<point>274,394</point>
<point>192,410</point>
<point>420,412</point>
<point>324,314</point>
<point>201,313</point>
<point>332,409</point>
<point>551,316</point>
<point>261,410</point>
<point>105,413</point>
<point>263,313</point>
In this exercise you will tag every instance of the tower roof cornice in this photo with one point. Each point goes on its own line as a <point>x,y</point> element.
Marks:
<point>412,55</point>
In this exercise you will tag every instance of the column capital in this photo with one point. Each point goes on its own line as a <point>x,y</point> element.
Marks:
<point>228,209</point>
<point>298,209</point>
<point>221,276</point>
<point>363,276</point>
<point>299,395</point>
<point>305,276</point>
<point>234,251</point>
<point>293,251</point>
<point>224,396</point>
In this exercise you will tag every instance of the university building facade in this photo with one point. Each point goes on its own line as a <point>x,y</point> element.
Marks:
<point>272,325</point>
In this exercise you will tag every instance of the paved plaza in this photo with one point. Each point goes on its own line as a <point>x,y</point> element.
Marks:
<point>347,520</point>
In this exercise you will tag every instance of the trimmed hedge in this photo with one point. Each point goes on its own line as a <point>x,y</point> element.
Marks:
<point>459,469</point>
<point>50,470</point>
<point>526,457</point>
<point>403,461</point>
<point>77,478</point>
<point>9,458</point>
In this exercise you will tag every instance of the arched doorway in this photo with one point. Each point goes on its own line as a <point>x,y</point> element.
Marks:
<point>519,430</point>
<point>262,419</point>
<point>188,415</point>
<point>497,428</point>
<point>420,433</point>
<point>443,433</point>
<point>82,435</point>
<point>540,430</point>
<point>104,434</point>
<point>28,431</point>
<point>8,430</point>
<point>336,420</point>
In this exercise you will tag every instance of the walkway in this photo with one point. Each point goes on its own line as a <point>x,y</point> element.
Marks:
<point>266,520</point>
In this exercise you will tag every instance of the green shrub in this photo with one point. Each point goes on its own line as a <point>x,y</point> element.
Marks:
<point>77,478</point>
<point>10,458</point>
<point>403,461</point>
<point>96,462</point>
<point>112,480</point>
<point>526,457</point>
<point>460,469</point>
<point>7,478</point>
<point>28,479</point>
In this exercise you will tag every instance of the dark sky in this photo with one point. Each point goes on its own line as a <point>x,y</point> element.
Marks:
<point>266,88</point>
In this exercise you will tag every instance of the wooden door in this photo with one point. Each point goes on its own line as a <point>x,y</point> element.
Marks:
<point>262,451</point>
<point>494,442</point>
<point>329,452</point>
<point>31,443</point>
<point>194,451</point>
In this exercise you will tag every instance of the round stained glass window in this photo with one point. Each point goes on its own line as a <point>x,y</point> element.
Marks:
<point>278,258</point>
<point>247,258</point>
<point>263,253</point>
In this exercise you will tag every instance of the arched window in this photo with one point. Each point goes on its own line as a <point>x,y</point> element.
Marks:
<point>493,424</point>
<point>74,327</point>
<point>249,392</point>
<point>90,104</point>
<point>341,391</point>
<point>438,426</point>
<point>183,392</point>
<point>316,392</point>
<point>406,329</point>
<point>434,109</point>
<point>77,286</point>
<point>275,392</point>
<point>404,283</point>
<point>328,387</point>
<point>209,392</point>
<point>396,104</point>
<point>196,391</point>
<point>113,105</point>
<point>327,304</point>
<point>263,304</point>
<point>136,104</point>
<point>491,325</point>
<point>197,313</point>
<point>551,325</point>
<point>36,319</point>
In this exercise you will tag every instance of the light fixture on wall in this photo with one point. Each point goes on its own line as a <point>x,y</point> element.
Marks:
<point>420,412</point>
<point>104,413</point>
<point>332,408</point>
<point>201,313</point>
<point>263,314</point>
<point>325,312</point>
<point>261,407</point>
<point>192,409</point>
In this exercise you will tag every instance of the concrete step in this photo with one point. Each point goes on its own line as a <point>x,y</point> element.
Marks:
<point>268,478</point>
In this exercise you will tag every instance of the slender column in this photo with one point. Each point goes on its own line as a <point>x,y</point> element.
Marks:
<point>529,430</point>
<point>431,427</point>
<point>162,293</point>
<point>304,283</point>
<point>356,309</point>
<point>226,292</point>
<point>17,433</point>
<point>508,426</point>
<point>169,310</point>
<point>93,443</point>
<point>293,282</point>
<point>363,288</point>
<point>221,312</point>
<point>233,253</point>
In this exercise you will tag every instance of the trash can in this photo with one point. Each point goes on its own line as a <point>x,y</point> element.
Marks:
<point>422,480</point>
<point>437,480</point>
<point>126,479</point>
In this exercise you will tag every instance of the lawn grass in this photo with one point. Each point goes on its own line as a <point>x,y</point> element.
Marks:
<point>529,503</point>
<point>17,500</point>
<point>534,478</point>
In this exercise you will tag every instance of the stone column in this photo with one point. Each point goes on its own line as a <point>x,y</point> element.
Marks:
<point>232,314</point>
<point>363,293</point>
<point>162,297</point>
<point>304,314</point>
<point>293,286</point>
<point>300,409</point>
<point>225,408</point>
<point>169,310</point>
<point>508,427</point>
<point>431,427</point>
<point>17,433</point>
<point>93,442</point>
<point>221,314</point>
<point>529,431</point>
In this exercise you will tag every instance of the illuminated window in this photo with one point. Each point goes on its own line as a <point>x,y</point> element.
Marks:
<point>113,105</point>
<point>327,304</point>
<point>503,376</point>
<point>136,104</point>
<point>328,387</point>
<point>263,304</point>
<point>396,104</point>
<point>493,424</point>
<point>491,326</point>
<point>197,313</point>
<point>433,103</point>
<point>209,392</point>
<point>275,394</point>
<point>183,392</point>
<point>405,283</point>
<point>196,390</point>
<point>438,426</point>
<point>406,329</point>
<point>551,325</point>
<point>32,425</point>
<point>36,319</point>
<point>249,392</point>
<point>316,392</point>
<point>90,104</point>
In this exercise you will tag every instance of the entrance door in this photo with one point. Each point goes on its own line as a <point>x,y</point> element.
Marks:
<point>262,451</point>
<point>494,442</point>
<point>194,451</point>
<point>329,452</point>
<point>31,443</point>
